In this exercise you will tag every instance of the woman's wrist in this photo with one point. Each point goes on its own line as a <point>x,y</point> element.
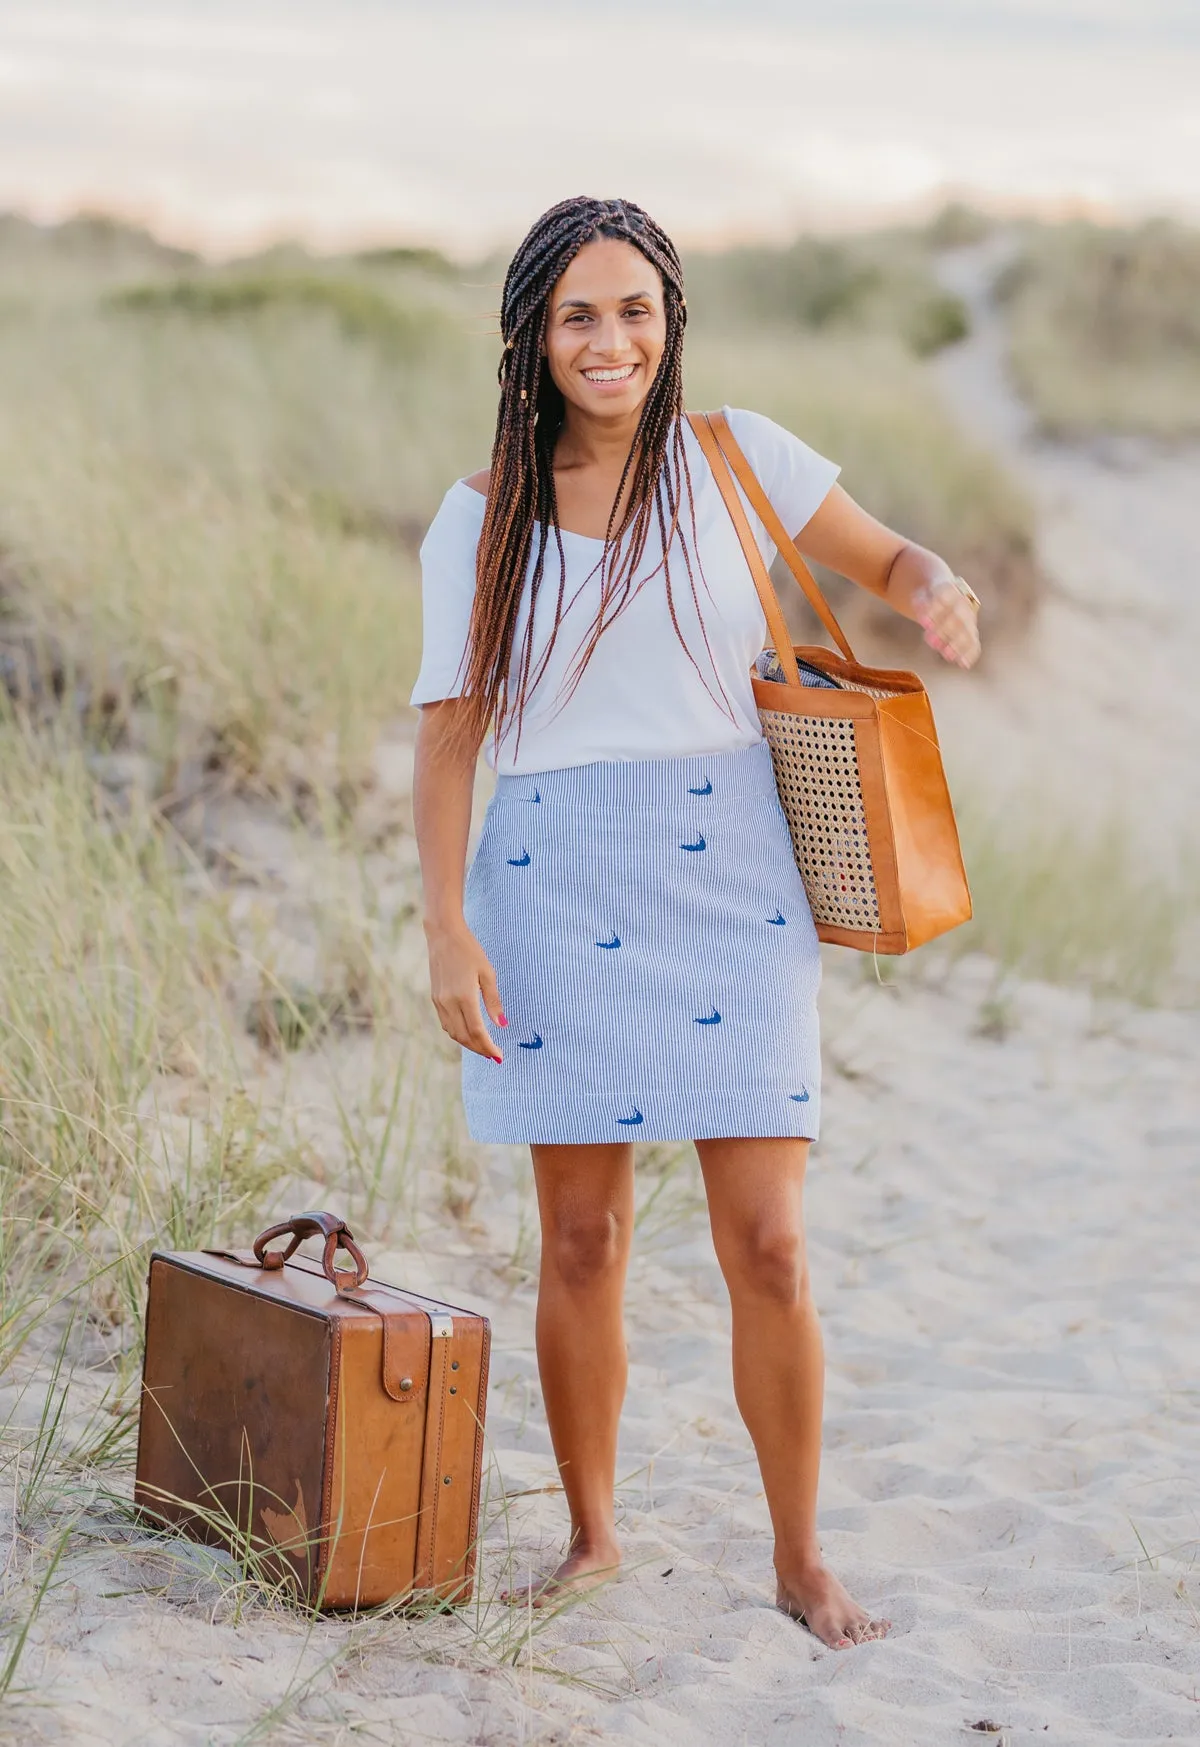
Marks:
<point>915,576</point>
<point>444,924</point>
<point>922,587</point>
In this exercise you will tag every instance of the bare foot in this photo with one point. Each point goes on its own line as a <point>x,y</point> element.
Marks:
<point>816,1598</point>
<point>585,1568</point>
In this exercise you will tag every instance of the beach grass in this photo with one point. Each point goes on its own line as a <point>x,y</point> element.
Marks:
<point>217,577</point>
<point>114,959</point>
<point>251,457</point>
<point>1074,906</point>
<point>1105,328</point>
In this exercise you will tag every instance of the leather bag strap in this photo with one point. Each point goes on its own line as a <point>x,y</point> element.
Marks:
<point>776,627</point>
<point>713,434</point>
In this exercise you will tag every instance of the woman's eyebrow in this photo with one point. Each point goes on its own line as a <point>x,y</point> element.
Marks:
<point>585,303</point>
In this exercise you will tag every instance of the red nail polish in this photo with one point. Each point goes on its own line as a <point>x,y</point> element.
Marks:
<point>503,1020</point>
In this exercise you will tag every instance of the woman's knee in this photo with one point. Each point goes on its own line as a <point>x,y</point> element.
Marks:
<point>586,1246</point>
<point>768,1259</point>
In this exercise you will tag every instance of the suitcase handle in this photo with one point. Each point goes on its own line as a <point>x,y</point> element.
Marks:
<point>337,1235</point>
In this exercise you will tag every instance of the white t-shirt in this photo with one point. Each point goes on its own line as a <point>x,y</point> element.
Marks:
<point>640,696</point>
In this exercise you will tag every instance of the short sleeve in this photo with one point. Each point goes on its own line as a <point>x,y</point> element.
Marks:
<point>448,593</point>
<point>795,478</point>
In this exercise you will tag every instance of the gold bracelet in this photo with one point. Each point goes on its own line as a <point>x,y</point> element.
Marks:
<point>964,588</point>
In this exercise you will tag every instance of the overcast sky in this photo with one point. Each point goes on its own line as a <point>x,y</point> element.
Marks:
<point>231,121</point>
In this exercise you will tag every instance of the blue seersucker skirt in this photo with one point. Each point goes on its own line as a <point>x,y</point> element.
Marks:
<point>656,956</point>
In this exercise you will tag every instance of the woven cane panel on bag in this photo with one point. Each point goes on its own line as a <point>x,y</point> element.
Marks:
<point>872,691</point>
<point>816,773</point>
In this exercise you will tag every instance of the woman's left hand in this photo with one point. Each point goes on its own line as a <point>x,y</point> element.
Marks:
<point>914,581</point>
<point>948,613</point>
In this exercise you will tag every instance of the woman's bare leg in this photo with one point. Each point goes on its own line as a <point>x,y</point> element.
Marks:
<point>755,1201</point>
<point>585,1201</point>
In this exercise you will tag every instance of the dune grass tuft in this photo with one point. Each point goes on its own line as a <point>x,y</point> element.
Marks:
<point>1078,908</point>
<point>112,962</point>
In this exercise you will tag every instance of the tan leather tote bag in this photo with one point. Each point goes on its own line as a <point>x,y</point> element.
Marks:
<point>858,767</point>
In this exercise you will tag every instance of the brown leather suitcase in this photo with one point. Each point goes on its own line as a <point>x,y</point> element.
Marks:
<point>329,1424</point>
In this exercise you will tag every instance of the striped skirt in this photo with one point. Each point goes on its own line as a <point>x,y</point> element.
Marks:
<point>656,956</point>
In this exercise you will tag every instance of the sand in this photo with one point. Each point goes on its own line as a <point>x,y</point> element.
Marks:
<point>1001,1214</point>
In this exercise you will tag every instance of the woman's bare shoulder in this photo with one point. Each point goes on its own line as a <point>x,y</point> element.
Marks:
<point>479,481</point>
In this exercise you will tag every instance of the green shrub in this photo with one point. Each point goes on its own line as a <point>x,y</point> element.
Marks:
<point>428,261</point>
<point>957,225</point>
<point>1105,328</point>
<point>362,312</point>
<point>878,284</point>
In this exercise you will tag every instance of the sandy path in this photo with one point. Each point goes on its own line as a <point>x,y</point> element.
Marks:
<point>1099,712</point>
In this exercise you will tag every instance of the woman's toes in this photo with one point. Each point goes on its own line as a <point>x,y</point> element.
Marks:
<point>870,1631</point>
<point>821,1604</point>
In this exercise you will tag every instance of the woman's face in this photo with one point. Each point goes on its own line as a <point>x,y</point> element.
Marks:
<point>606,329</point>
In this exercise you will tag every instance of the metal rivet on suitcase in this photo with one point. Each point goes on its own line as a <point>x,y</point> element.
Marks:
<point>445,1480</point>
<point>406,1382</point>
<point>454,1364</point>
<point>454,1389</point>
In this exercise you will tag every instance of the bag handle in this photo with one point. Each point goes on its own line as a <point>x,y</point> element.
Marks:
<point>722,450</point>
<point>337,1235</point>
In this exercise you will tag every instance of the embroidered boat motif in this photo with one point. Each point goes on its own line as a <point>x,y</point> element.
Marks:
<point>699,844</point>
<point>521,860</point>
<point>536,1044</point>
<point>631,1121</point>
<point>714,1018</point>
<point>778,920</point>
<point>608,945</point>
<point>706,790</point>
<point>799,1097</point>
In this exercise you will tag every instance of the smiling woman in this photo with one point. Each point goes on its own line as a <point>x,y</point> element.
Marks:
<point>634,906</point>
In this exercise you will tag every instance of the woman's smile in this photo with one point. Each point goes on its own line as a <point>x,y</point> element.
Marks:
<point>607,375</point>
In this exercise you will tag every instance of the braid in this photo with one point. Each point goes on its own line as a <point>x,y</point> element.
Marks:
<point>521,497</point>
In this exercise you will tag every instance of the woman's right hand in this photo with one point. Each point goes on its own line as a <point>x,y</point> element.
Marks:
<point>459,973</point>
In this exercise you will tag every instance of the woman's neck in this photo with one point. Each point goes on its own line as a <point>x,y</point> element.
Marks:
<point>600,444</point>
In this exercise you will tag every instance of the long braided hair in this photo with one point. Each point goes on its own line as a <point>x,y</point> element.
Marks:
<point>521,498</point>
